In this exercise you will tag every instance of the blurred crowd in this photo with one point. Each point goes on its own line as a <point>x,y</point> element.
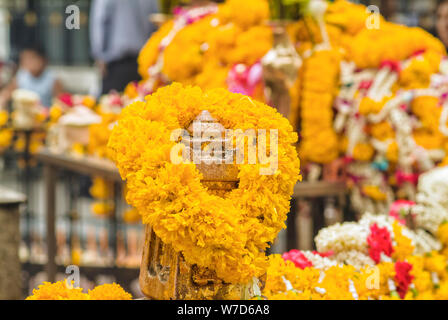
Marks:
<point>118,29</point>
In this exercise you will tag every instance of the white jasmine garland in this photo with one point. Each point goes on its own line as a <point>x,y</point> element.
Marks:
<point>355,258</point>
<point>321,263</point>
<point>424,242</point>
<point>342,237</point>
<point>351,235</point>
<point>432,199</point>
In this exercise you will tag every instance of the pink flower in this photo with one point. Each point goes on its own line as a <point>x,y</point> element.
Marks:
<point>244,79</point>
<point>397,207</point>
<point>298,258</point>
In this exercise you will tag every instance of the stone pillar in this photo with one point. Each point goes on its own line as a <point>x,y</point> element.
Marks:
<point>10,269</point>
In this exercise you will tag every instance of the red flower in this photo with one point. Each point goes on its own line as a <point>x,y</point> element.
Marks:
<point>379,241</point>
<point>298,258</point>
<point>403,277</point>
<point>66,98</point>
<point>324,254</point>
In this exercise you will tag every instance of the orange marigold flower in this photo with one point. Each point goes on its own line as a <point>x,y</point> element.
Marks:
<point>109,292</point>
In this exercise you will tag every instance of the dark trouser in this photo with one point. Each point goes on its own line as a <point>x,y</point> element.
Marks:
<point>119,73</point>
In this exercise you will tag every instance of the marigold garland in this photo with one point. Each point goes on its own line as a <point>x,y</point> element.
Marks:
<point>227,234</point>
<point>319,142</point>
<point>203,49</point>
<point>62,291</point>
<point>57,291</point>
<point>392,42</point>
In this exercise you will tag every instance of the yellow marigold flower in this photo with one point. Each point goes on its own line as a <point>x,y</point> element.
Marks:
<point>35,145</point>
<point>363,152</point>
<point>417,74</point>
<point>40,117</point>
<point>55,113</point>
<point>387,271</point>
<point>279,269</point>
<point>435,262</point>
<point>403,247</point>
<point>6,136</point>
<point>102,208</point>
<point>76,256</point>
<point>89,102</point>
<point>244,14</point>
<point>442,291</point>
<point>428,110</point>
<point>57,291</point>
<point>392,152</point>
<point>101,189</point>
<point>445,251</point>
<point>78,149</point>
<point>429,139</point>
<point>4,116</point>
<point>109,292</point>
<point>19,145</point>
<point>442,234</point>
<point>131,216</point>
<point>368,105</point>
<point>426,295</point>
<point>382,131</point>
<point>261,39</point>
<point>336,282</point>
<point>348,16</point>
<point>99,134</point>
<point>374,192</point>
<point>131,91</point>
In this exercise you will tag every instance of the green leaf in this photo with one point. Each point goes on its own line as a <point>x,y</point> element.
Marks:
<point>293,2</point>
<point>402,213</point>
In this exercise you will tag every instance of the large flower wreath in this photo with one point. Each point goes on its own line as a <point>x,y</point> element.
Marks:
<point>226,233</point>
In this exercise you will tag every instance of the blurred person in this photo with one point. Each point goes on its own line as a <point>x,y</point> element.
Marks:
<point>33,75</point>
<point>442,21</point>
<point>118,30</point>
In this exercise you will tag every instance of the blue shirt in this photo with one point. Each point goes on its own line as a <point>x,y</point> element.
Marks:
<point>42,85</point>
<point>120,28</point>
